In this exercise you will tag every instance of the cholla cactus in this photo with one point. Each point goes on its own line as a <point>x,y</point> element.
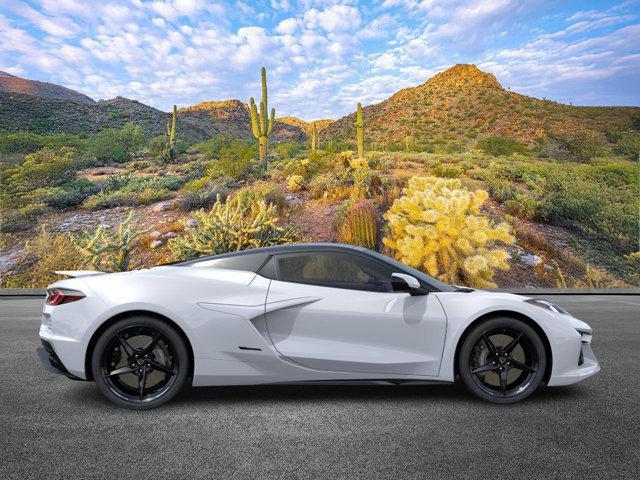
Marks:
<point>361,225</point>
<point>111,250</point>
<point>346,157</point>
<point>295,182</point>
<point>231,226</point>
<point>437,226</point>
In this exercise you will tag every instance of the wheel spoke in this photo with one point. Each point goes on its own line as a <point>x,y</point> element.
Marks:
<point>487,367</point>
<point>120,371</point>
<point>521,366</point>
<point>141,384</point>
<point>512,344</point>
<point>503,380</point>
<point>152,344</point>
<point>162,368</point>
<point>489,344</point>
<point>128,349</point>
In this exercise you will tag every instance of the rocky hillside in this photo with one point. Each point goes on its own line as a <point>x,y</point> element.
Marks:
<point>464,103</point>
<point>15,85</point>
<point>232,117</point>
<point>46,108</point>
<point>20,111</point>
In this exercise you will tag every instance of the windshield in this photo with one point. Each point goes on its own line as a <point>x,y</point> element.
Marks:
<point>437,284</point>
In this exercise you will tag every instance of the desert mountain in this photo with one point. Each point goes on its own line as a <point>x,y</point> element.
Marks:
<point>232,117</point>
<point>48,108</point>
<point>12,84</point>
<point>463,103</point>
<point>305,126</point>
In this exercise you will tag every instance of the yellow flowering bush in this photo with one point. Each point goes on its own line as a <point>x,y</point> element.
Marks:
<point>437,226</point>
<point>295,182</point>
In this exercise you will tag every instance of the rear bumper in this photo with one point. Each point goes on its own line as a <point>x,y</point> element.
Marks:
<point>51,362</point>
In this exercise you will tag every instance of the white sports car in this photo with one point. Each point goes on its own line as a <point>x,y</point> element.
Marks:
<point>307,313</point>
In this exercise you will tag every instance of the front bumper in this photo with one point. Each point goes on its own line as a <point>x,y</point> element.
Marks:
<point>585,364</point>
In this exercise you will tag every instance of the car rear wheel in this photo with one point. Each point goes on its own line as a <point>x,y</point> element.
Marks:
<point>140,362</point>
<point>502,360</point>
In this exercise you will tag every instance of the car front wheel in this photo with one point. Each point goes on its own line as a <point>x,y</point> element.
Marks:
<point>502,360</point>
<point>140,362</point>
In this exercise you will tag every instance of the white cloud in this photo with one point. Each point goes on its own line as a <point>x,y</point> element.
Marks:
<point>159,22</point>
<point>335,19</point>
<point>280,5</point>
<point>287,26</point>
<point>56,26</point>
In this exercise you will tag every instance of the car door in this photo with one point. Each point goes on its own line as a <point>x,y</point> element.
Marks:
<point>336,311</point>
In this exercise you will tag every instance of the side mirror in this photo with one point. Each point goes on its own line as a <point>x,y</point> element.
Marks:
<point>401,282</point>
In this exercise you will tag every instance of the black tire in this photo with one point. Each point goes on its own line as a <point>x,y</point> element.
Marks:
<point>502,360</point>
<point>145,373</point>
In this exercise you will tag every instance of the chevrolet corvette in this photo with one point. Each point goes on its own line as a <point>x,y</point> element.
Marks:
<point>306,314</point>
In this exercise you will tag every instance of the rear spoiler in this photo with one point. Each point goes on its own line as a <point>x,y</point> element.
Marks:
<point>78,273</point>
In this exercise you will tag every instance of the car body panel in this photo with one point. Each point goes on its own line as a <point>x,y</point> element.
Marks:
<point>244,328</point>
<point>358,331</point>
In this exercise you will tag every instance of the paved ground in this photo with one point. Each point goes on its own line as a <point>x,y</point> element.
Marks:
<point>55,428</point>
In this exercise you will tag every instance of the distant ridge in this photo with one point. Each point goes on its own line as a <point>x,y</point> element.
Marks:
<point>306,126</point>
<point>232,118</point>
<point>12,84</point>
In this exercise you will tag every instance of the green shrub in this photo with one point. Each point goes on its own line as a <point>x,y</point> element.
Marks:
<point>157,145</point>
<point>582,146</point>
<point>42,169</point>
<point>22,218</point>
<point>27,142</point>
<point>116,145</point>
<point>260,190</point>
<point>498,146</point>
<point>189,200</point>
<point>233,160</point>
<point>67,195</point>
<point>523,206</point>
<point>629,146</point>
<point>447,171</point>
<point>289,150</point>
<point>126,198</point>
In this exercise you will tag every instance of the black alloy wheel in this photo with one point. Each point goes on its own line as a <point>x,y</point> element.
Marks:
<point>140,362</point>
<point>502,360</point>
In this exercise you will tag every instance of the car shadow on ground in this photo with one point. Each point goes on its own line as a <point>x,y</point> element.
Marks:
<point>86,393</point>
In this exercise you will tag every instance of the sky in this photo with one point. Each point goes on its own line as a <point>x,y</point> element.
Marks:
<point>322,57</point>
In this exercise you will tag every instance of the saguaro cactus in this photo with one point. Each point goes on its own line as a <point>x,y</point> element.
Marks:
<point>360,132</point>
<point>171,136</point>
<point>260,124</point>
<point>314,140</point>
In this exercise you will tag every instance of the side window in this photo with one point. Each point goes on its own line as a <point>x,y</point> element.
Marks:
<point>250,262</point>
<point>334,269</point>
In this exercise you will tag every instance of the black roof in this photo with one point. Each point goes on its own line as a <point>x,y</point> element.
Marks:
<point>282,249</point>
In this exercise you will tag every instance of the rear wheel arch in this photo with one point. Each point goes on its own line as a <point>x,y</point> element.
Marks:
<point>132,313</point>
<point>511,314</point>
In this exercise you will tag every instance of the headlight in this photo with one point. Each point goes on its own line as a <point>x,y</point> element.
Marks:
<point>547,305</point>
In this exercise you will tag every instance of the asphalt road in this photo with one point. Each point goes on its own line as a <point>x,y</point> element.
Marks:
<point>52,427</point>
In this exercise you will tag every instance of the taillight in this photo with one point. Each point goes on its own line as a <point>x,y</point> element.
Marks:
<point>58,296</point>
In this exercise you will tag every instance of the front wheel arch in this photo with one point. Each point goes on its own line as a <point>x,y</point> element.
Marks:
<point>517,316</point>
<point>107,323</point>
